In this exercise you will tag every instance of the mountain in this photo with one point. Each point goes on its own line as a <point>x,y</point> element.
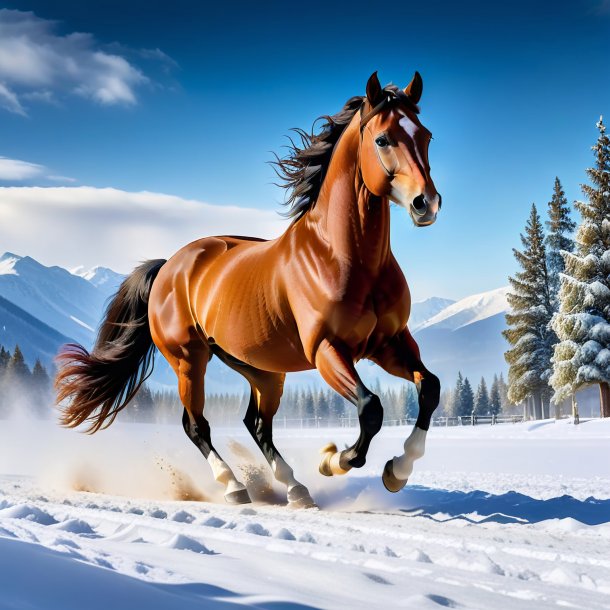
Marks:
<point>469,310</point>
<point>422,311</point>
<point>36,339</point>
<point>466,336</point>
<point>67,303</point>
<point>104,279</point>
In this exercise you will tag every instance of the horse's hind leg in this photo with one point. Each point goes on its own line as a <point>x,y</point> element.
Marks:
<point>191,372</point>
<point>264,402</point>
<point>266,392</point>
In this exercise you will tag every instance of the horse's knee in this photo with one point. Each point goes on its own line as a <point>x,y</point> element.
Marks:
<point>370,414</point>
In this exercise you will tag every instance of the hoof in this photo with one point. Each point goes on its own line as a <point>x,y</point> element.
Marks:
<point>239,496</point>
<point>298,497</point>
<point>390,482</point>
<point>327,451</point>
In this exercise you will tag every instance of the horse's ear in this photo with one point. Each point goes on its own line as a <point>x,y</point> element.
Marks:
<point>374,92</point>
<point>415,87</point>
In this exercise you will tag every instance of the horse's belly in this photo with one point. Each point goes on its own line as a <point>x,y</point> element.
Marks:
<point>269,349</point>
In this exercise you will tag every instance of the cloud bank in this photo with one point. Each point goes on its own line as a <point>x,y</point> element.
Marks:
<point>89,226</point>
<point>37,63</point>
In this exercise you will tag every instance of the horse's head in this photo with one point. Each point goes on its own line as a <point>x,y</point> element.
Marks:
<point>394,149</point>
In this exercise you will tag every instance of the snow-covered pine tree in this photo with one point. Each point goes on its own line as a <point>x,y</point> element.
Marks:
<point>495,400</point>
<point>583,322</point>
<point>529,333</point>
<point>560,225</point>
<point>481,401</point>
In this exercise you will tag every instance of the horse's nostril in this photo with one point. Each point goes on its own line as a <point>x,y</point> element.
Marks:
<point>419,204</point>
<point>440,202</point>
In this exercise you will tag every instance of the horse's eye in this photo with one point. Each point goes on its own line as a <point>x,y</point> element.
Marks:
<point>382,141</point>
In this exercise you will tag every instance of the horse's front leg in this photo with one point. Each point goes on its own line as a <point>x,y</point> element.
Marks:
<point>337,368</point>
<point>400,357</point>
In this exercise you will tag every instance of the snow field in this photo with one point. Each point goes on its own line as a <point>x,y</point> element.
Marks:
<point>514,516</point>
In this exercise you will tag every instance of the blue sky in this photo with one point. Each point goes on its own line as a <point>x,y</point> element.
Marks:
<point>188,100</point>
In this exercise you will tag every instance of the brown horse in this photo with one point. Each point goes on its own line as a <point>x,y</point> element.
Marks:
<point>325,294</point>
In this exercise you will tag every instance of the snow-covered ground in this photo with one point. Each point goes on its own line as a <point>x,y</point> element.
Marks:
<point>510,516</point>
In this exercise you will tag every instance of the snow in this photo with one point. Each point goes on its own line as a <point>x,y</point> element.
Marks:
<point>506,516</point>
<point>421,311</point>
<point>101,277</point>
<point>7,263</point>
<point>470,309</point>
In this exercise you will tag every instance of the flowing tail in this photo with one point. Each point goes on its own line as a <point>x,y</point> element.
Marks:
<point>99,384</point>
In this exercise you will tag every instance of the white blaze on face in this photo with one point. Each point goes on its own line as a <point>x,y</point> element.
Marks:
<point>404,186</point>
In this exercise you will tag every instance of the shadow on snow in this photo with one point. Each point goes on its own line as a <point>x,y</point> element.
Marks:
<point>444,505</point>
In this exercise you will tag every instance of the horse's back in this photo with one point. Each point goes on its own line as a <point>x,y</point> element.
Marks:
<point>229,289</point>
<point>173,321</point>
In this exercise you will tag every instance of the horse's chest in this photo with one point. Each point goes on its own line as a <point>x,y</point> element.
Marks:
<point>362,309</point>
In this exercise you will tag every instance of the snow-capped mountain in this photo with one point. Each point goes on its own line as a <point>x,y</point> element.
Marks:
<point>466,336</point>
<point>67,303</point>
<point>469,310</point>
<point>422,311</point>
<point>106,280</point>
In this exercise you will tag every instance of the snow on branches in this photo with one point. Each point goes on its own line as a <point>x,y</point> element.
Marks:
<point>582,324</point>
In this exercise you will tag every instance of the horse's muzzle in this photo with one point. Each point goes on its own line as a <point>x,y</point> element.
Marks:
<point>424,211</point>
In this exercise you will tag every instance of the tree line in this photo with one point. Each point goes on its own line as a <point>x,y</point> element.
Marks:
<point>307,406</point>
<point>559,324</point>
<point>31,391</point>
<point>463,400</point>
<point>21,387</point>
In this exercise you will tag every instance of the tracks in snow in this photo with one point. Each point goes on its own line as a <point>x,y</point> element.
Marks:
<point>323,558</point>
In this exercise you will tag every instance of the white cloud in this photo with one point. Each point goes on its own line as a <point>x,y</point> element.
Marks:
<point>14,169</point>
<point>9,101</point>
<point>71,226</point>
<point>36,61</point>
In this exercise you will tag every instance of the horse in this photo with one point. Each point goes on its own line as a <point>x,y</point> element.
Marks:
<point>325,294</point>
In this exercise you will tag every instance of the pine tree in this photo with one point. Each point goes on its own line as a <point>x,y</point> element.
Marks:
<point>495,400</point>
<point>503,388</point>
<point>481,401</point>
<point>17,367</point>
<point>335,407</point>
<point>411,405</point>
<point>457,395</point>
<point>144,406</point>
<point>529,334</point>
<point>583,323</point>
<point>466,399</point>
<point>40,388</point>
<point>560,226</point>
<point>5,356</point>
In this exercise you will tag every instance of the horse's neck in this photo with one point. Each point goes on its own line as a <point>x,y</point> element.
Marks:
<point>355,223</point>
